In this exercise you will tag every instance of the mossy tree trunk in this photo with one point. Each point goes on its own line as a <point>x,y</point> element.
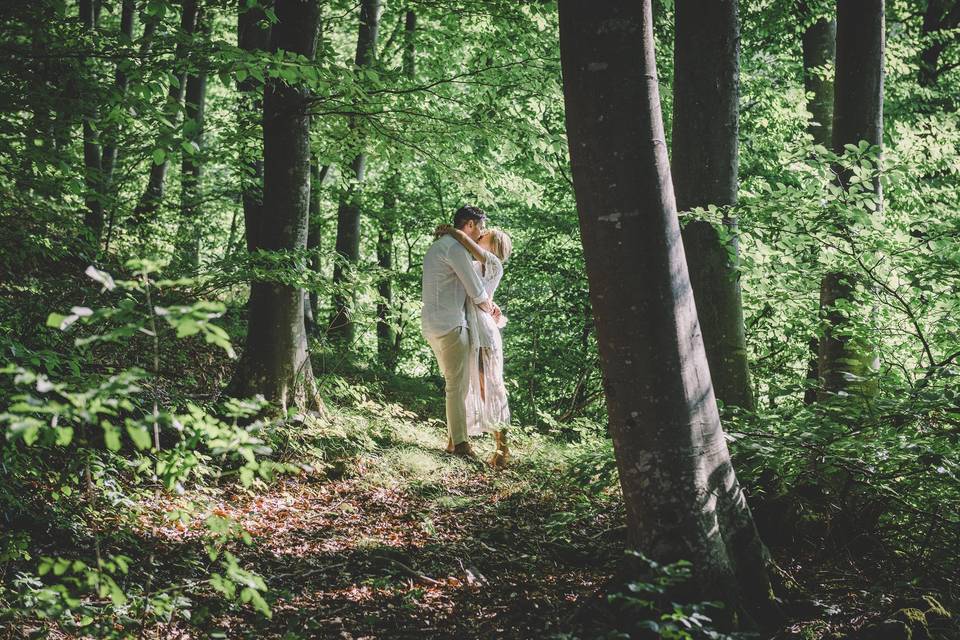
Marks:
<point>705,166</point>
<point>857,116</point>
<point>276,361</point>
<point>818,43</point>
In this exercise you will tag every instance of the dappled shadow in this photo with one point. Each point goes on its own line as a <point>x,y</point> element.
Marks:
<point>484,558</point>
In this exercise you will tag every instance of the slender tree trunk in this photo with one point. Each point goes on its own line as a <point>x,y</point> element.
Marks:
<point>681,494</point>
<point>348,213</point>
<point>388,338</point>
<point>93,170</point>
<point>153,194</point>
<point>705,163</point>
<point>386,332</point>
<point>819,50</point>
<point>939,16</point>
<point>120,82</point>
<point>318,175</point>
<point>857,115</point>
<point>38,99</point>
<point>276,362</point>
<point>191,168</point>
<point>251,37</point>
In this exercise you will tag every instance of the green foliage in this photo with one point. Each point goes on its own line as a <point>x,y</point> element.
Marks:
<point>92,388</point>
<point>649,607</point>
<point>93,422</point>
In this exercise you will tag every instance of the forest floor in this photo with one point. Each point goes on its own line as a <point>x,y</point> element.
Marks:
<point>409,542</point>
<point>376,532</point>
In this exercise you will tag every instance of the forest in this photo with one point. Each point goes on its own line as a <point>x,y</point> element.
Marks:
<point>729,324</point>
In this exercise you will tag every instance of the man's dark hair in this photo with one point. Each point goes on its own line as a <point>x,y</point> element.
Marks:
<point>465,213</point>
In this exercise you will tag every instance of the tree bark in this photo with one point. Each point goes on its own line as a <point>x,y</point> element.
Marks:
<point>857,115</point>
<point>705,167</point>
<point>93,170</point>
<point>251,37</point>
<point>318,176</point>
<point>120,82</point>
<point>681,494</point>
<point>153,194</point>
<point>388,338</point>
<point>348,213</point>
<point>276,362</point>
<point>386,333</point>
<point>819,49</point>
<point>191,167</point>
<point>939,15</point>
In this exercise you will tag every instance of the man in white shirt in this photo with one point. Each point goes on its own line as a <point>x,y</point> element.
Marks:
<point>449,284</point>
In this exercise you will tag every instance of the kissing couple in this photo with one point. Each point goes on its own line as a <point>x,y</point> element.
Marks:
<point>461,322</point>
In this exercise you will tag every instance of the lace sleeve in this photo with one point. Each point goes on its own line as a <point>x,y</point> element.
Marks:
<point>492,271</point>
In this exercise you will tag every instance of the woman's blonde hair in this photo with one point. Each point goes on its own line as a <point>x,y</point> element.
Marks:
<point>500,242</point>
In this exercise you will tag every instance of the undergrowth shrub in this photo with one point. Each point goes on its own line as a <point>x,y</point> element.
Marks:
<point>82,448</point>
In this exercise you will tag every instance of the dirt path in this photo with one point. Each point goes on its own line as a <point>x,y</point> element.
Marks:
<point>450,551</point>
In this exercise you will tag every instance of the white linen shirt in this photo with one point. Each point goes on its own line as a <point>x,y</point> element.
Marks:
<point>449,280</point>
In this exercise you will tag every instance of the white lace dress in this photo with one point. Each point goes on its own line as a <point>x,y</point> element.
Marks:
<point>489,412</point>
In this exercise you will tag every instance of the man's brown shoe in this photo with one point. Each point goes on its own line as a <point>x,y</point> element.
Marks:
<point>464,450</point>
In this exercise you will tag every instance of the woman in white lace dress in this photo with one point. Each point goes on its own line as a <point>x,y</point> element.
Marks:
<point>487,406</point>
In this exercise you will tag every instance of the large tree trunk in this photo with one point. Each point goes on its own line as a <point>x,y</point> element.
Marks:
<point>276,362</point>
<point>153,194</point>
<point>705,163</point>
<point>348,213</point>
<point>388,338</point>
<point>251,37</point>
<point>857,115</point>
<point>819,49</point>
<point>93,170</point>
<point>191,167</point>
<point>681,494</point>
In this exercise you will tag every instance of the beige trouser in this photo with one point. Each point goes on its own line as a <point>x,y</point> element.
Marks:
<point>452,350</point>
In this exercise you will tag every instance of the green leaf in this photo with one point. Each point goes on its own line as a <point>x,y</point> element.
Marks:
<point>31,433</point>
<point>139,434</point>
<point>260,604</point>
<point>64,436</point>
<point>159,155</point>
<point>111,436</point>
<point>187,327</point>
